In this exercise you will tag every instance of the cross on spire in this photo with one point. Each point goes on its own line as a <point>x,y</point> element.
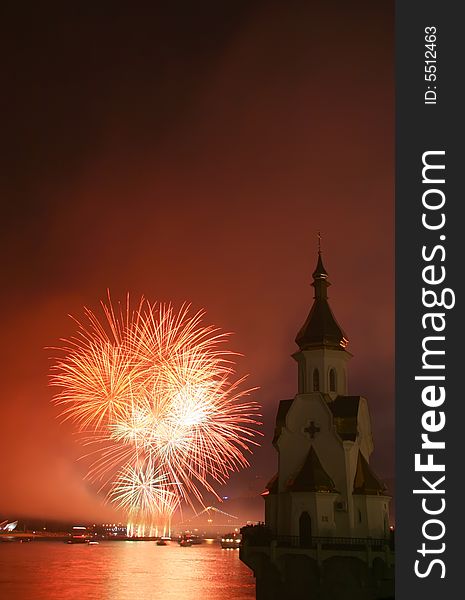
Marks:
<point>319,242</point>
<point>312,429</point>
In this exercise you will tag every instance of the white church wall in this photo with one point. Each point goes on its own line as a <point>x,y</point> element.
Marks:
<point>284,514</point>
<point>351,450</point>
<point>303,502</point>
<point>376,510</point>
<point>294,443</point>
<point>325,514</point>
<point>271,512</point>
<point>320,507</point>
<point>360,520</point>
<point>324,360</point>
<point>341,517</point>
<point>371,516</point>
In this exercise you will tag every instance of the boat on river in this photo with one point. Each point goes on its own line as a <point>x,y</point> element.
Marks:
<point>188,539</point>
<point>231,540</point>
<point>79,535</point>
<point>77,540</point>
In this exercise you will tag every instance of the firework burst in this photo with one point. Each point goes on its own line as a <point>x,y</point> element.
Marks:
<point>153,394</point>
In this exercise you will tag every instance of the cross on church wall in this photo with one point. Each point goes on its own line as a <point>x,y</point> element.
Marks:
<point>312,429</point>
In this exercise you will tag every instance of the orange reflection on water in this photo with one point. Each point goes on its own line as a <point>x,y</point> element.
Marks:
<point>122,571</point>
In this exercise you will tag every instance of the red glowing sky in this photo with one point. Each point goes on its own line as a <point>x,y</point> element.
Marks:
<point>193,155</point>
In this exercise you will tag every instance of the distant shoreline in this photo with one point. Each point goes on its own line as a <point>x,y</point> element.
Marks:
<point>38,537</point>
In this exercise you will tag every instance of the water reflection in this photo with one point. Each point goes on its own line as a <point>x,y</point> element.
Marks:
<point>122,571</point>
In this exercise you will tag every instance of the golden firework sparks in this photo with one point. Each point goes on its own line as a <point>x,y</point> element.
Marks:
<point>151,391</point>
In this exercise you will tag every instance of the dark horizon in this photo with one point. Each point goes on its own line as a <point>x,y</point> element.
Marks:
<point>193,156</point>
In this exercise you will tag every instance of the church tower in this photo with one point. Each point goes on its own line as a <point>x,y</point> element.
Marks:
<point>322,355</point>
<point>325,486</point>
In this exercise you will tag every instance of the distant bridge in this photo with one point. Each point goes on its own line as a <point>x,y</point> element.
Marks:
<point>211,517</point>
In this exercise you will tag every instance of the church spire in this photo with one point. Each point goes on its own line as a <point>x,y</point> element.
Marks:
<point>320,279</point>
<point>321,328</point>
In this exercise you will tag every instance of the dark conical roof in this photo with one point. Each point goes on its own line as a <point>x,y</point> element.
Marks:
<point>321,328</point>
<point>283,409</point>
<point>272,486</point>
<point>312,477</point>
<point>365,481</point>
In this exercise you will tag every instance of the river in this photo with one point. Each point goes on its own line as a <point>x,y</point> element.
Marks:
<point>122,571</point>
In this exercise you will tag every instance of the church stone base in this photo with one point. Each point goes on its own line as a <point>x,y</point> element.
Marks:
<point>290,574</point>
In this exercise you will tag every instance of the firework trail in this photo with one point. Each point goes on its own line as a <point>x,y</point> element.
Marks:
<point>150,391</point>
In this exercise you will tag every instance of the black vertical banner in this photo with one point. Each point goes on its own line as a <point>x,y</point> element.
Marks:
<point>430,332</point>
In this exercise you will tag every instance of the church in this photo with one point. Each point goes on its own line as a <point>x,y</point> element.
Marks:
<point>326,525</point>
<point>324,485</point>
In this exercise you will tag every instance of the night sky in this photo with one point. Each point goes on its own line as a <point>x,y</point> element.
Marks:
<point>192,153</point>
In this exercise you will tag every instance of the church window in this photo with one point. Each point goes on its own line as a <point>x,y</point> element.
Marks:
<point>332,380</point>
<point>359,516</point>
<point>316,380</point>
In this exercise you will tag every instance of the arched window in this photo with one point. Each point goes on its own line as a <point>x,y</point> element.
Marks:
<point>332,380</point>
<point>359,516</point>
<point>316,380</point>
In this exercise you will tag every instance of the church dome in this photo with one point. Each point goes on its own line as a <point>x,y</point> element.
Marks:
<point>321,328</point>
